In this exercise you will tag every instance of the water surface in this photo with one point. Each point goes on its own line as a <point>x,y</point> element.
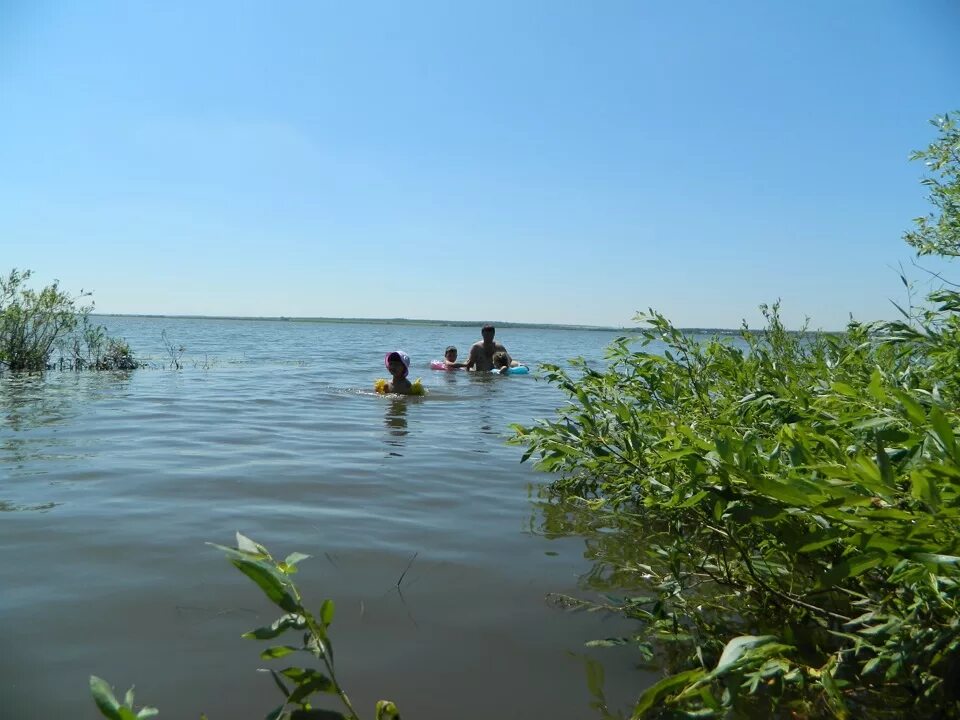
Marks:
<point>111,483</point>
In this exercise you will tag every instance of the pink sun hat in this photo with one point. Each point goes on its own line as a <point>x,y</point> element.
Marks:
<point>400,355</point>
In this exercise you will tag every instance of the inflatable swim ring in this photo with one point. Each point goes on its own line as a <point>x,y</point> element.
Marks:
<point>518,370</point>
<point>382,386</point>
<point>438,365</point>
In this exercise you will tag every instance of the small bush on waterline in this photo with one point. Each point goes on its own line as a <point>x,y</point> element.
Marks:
<point>89,348</point>
<point>33,324</point>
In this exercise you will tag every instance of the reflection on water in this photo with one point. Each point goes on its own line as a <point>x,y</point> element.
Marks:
<point>395,421</point>
<point>615,544</point>
<point>624,572</point>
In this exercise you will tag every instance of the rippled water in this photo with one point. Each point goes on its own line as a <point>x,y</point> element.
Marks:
<point>110,484</point>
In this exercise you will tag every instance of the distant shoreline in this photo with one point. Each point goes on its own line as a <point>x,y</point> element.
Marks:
<point>374,321</point>
<point>409,321</point>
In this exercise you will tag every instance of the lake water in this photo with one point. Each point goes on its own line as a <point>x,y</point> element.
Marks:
<point>111,483</point>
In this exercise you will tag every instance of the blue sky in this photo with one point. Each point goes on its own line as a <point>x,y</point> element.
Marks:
<point>552,162</point>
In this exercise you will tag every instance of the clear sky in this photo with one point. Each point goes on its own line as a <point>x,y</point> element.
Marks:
<point>530,161</point>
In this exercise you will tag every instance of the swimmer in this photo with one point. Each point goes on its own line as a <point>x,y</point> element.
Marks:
<point>481,352</point>
<point>398,363</point>
<point>503,362</point>
<point>450,359</point>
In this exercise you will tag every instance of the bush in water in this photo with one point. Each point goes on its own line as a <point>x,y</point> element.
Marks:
<point>33,323</point>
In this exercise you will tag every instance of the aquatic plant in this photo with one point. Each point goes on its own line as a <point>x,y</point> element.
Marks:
<point>31,321</point>
<point>174,350</point>
<point>89,348</point>
<point>298,685</point>
<point>110,707</point>
<point>33,324</point>
<point>791,510</point>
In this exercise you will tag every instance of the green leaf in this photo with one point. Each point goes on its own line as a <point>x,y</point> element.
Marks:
<point>306,688</point>
<point>937,558</point>
<point>880,421</point>
<point>941,427</point>
<point>668,455</point>
<point>103,697</point>
<point>735,649</point>
<point>269,580</point>
<point>913,409</point>
<point>844,389</point>
<point>851,567</point>
<point>278,681</point>
<point>595,677</point>
<point>833,692</point>
<point>147,712</point>
<point>295,557</point>
<point>875,388</point>
<point>694,499</point>
<point>923,488</point>
<point>277,652</point>
<point>656,694</point>
<point>245,544</point>
<point>326,612</point>
<point>279,626</point>
<point>819,540</point>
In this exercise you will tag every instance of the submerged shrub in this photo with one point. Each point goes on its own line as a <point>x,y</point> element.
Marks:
<point>89,348</point>
<point>33,324</point>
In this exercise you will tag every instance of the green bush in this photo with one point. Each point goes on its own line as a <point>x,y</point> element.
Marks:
<point>791,509</point>
<point>89,348</point>
<point>33,324</point>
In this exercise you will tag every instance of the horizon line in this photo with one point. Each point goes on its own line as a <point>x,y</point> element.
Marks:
<point>422,321</point>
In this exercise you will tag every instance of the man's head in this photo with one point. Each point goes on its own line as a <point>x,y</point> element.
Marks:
<point>451,354</point>
<point>487,332</point>
<point>397,362</point>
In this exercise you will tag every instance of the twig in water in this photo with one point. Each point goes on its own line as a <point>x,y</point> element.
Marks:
<point>407,568</point>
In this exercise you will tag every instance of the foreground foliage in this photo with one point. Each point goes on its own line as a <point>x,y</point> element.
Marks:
<point>298,685</point>
<point>33,324</point>
<point>789,503</point>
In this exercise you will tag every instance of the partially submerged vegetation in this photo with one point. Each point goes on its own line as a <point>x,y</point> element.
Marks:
<point>34,324</point>
<point>791,511</point>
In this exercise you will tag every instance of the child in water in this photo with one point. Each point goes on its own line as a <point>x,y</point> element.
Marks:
<point>398,363</point>
<point>450,359</point>
<point>502,362</point>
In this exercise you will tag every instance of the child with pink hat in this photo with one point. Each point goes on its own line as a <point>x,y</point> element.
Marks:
<point>398,363</point>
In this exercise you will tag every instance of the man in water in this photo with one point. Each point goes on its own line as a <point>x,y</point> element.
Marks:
<point>482,352</point>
